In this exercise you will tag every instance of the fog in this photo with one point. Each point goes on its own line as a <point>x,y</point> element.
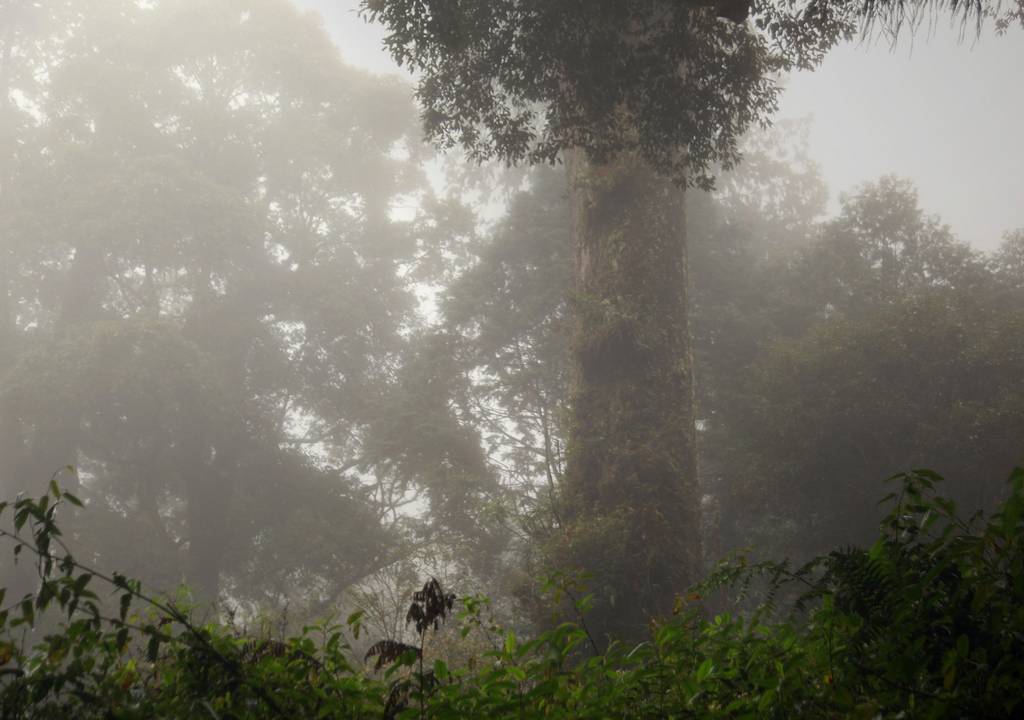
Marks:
<point>941,109</point>
<point>293,359</point>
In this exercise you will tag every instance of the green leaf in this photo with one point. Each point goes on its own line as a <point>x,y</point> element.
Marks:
<point>767,698</point>
<point>153,648</point>
<point>355,622</point>
<point>28,613</point>
<point>963,646</point>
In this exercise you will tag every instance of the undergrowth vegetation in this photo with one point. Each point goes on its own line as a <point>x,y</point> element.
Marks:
<point>926,623</point>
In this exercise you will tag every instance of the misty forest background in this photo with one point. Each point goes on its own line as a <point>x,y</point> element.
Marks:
<point>300,361</point>
<point>287,368</point>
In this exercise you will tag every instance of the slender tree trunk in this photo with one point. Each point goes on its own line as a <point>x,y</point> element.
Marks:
<point>55,440</point>
<point>207,520</point>
<point>208,499</point>
<point>6,175</point>
<point>17,579</point>
<point>6,311</point>
<point>631,487</point>
<point>219,326</point>
<point>10,433</point>
<point>11,448</point>
<point>82,301</point>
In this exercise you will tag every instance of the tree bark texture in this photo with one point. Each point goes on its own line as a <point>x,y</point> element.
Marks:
<point>631,487</point>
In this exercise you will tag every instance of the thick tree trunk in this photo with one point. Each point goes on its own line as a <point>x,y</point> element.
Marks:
<point>631,486</point>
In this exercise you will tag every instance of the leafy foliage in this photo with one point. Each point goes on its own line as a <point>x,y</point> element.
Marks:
<point>522,81</point>
<point>926,623</point>
<point>430,606</point>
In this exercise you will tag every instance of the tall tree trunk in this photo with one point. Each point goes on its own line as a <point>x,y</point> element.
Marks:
<point>6,311</point>
<point>17,579</point>
<point>82,300</point>
<point>631,487</point>
<point>208,499</point>
<point>7,159</point>
<point>55,440</point>
<point>206,513</point>
<point>10,433</point>
<point>222,326</point>
<point>9,445</point>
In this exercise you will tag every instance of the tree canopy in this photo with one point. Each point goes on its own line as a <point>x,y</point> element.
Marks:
<point>671,80</point>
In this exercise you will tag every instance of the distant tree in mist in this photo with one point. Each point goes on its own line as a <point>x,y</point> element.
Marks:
<point>1008,262</point>
<point>207,299</point>
<point>905,357</point>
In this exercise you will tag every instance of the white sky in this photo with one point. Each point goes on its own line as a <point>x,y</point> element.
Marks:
<point>945,113</point>
<point>948,115</point>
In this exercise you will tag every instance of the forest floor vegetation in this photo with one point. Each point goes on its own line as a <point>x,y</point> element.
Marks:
<point>928,622</point>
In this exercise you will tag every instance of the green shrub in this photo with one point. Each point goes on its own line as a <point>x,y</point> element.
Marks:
<point>926,623</point>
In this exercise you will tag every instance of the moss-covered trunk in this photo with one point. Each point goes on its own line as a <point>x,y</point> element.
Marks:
<point>631,487</point>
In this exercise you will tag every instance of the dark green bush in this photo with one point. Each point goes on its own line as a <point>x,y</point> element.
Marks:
<point>926,623</point>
